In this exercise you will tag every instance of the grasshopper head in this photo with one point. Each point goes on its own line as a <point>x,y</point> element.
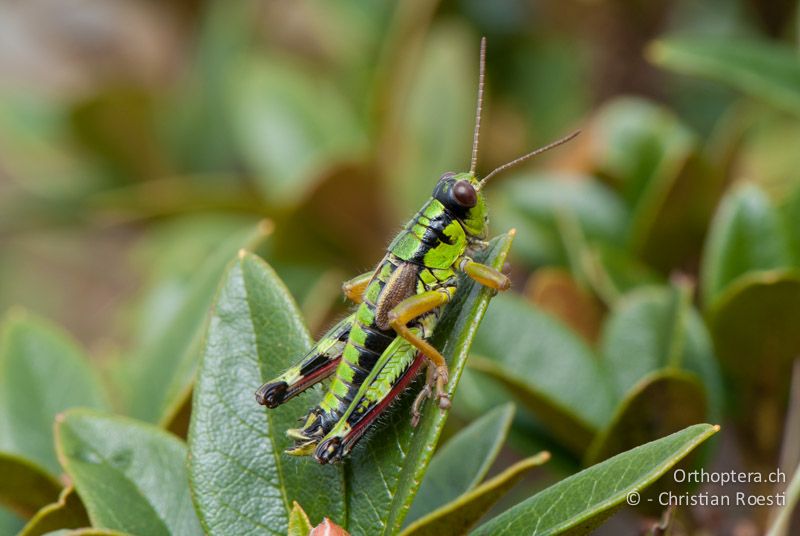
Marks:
<point>460,193</point>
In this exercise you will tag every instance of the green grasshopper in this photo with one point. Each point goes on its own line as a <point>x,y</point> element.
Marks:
<point>376,351</point>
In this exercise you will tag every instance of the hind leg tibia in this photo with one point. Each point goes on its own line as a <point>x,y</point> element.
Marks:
<point>319,363</point>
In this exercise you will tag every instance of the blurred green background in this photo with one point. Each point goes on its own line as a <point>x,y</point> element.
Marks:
<point>143,143</point>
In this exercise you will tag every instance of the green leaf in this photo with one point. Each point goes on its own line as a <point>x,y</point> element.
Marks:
<point>655,162</point>
<point>547,107</point>
<point>283,135</point>
<point>532,203</point>
<point>255,331</point>
<point>68,512</point>
<point>156,380</point>
<point>434,129</point>
<point>554,420</point>
<point>580,503</point>
<point>42,373</point>
<point>299,524</point>
<point>168,256</point>
<point>462,462</point>
<point>384,474</point>
<point>550,369</point>
<point>637,144</point>
<point>644,333</point>
<point>458,516</point>
<point>612,272</point>
<point>130,475</point>
<point>25,486</point>
<point>659,404</point>
<point>753,324</point>
<point>746,235</point>
<point>756,150</point>
<point>10,522</point>
<point>764,70</point>
<point>39,148</point>
<point>86,531</point>
<point>655,328</point>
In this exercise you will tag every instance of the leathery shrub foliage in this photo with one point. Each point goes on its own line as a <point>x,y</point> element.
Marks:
<point>655,269</point>
<point>128,476</point>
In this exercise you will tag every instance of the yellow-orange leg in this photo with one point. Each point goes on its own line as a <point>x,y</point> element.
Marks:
<point>485,275</point>
<point>354,288</point>
<point>414,307</point>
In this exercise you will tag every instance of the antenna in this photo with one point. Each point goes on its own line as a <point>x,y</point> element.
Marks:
<point>524,157</point>
<point>476,134</point>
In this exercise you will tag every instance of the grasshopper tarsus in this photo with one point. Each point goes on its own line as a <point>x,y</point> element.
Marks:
<point>329,451</point>
<point>272,394</point>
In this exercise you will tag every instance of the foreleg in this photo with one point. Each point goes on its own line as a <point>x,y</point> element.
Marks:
<point>354,288</point>
<point>485,275</point>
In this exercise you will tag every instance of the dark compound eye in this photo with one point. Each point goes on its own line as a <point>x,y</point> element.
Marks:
<point>447,175</point>
<point>464,194</point>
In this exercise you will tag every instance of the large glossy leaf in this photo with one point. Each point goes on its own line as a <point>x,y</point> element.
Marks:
<point>533,203</point>
<point>157,378</point>
<point>42,372</point>
<point>68,512</point>
<point>197,121</point>
<point>614,271</point>
<point>659,404</point>
<point>493,384</point>
<point>383,476</point>
<point>755,333</point>
<point>644,333</point>
<point>236,445</point>
<point>131,476</point>
<point>654,161</point>
<point>25,486</point>
<point>458,516</point>
<point>767,71</point>
<point>168,257</point>
<point>550,369</point>
<point>86,531</point>
<point>548,106</point>
<point>462,462</point>
<point>760,155</point>
<point>746,235</point>
<point>580,503</point>
<point>284,137</point>
<point>10,522</point>
<point>654,328</point>
<point>36,147</point>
